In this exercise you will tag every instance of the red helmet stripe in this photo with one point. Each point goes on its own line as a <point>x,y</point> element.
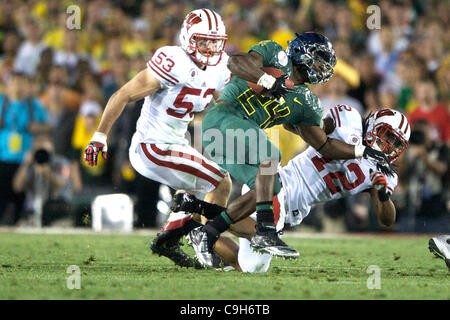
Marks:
<point>401,122</point>
<point>209,18</point>
<point>215,19</point>
<point>407,128</point>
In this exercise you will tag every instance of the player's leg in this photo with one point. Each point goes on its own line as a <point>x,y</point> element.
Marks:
<point>180,167</point>
<point>179,225</point>
<point>251,154</point>
<point>266,239</point>
<point>225,247</point>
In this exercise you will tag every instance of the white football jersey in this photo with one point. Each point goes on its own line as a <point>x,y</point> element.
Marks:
<point>309,179</point>
<point>186,89</point>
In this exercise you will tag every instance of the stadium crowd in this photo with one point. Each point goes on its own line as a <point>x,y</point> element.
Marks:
<point>55,81</point>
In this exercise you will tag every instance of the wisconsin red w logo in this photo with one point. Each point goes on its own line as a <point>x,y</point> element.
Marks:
<point>192,19</point>
<point>385,112</point>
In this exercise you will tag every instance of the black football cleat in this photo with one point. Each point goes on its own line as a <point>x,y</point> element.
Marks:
<point>184,201</point>
<point>440,247</point>
<point>167,243</point>
<point>268,241</point>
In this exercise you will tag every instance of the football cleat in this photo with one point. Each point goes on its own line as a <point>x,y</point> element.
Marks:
<point>440,247</point>
<point>198,238</point>
<point>184,201</point>
<point>268,241</point>
<point>167,243</point>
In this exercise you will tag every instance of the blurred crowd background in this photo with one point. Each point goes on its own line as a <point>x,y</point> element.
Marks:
<point>55,82</point>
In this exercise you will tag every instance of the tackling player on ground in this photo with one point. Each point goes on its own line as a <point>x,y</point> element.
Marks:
<point>178,82</point>
<point>309,178</point>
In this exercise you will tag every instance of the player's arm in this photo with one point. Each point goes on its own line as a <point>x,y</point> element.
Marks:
<point>328,147</point>
<point>142,85</point>
<point>385,210</point>
<point>246,66</point>
<point>334,149</point>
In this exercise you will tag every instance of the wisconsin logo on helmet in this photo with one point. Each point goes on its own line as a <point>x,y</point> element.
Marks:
<point>192,19</point>
<point>388,131</point>
<point>315,53</point>
<point>203,36</point>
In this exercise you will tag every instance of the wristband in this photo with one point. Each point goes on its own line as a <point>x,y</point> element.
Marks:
<point>266,81</point>
<point>359,151</point>
<point>99,137</point>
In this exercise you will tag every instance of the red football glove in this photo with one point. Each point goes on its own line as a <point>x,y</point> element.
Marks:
<point>97,145</point>
<point>379,183</point>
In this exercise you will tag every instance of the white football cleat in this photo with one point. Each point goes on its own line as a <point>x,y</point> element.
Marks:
<point>198,239</point>
<point>440,247</point>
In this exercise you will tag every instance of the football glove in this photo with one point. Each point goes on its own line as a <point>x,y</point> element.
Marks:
<point>380,158</point>
<point>97,145</point>
<point>279,87</point>
<point>379,183</point>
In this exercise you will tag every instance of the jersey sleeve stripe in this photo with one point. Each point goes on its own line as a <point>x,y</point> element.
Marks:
<point>178,166</point>
<point>209,18</point>
<point>163,72</point>
<point>187,156</point>
<point>338,116</point>
<point>159,74</point>
<point>334,117</point>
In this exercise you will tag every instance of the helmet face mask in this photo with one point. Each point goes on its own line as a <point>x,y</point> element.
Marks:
<point>388,141</point>
<point>203,36</point>
<point>207,50</point>
<point>315,52</point>
<point>388,131</point>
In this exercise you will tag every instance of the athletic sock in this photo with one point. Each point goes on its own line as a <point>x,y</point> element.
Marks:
<point>210,210</point>
<point>264,216</point>
<point>216,226</point>
<point>206,209</point>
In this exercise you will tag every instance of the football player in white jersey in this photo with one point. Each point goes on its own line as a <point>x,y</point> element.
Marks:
<point>309,179</point>
<point>178,82</point>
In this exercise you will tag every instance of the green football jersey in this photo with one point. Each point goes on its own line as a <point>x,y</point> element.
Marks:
<point>299,107</point>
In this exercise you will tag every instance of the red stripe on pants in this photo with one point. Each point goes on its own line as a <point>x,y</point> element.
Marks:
<point>179,167</point>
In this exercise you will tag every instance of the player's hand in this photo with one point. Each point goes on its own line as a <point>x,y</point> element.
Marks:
<point>379,181</point>
<point>379,157</point>
<point>97,145</point>
<point>279,87</point>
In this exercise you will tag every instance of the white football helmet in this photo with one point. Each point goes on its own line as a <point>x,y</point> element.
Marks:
<point>203,36</point>
<point>387,131</point>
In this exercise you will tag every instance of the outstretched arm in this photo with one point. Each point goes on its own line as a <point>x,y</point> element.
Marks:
<point>385,209</point>
<point>142,85</point>
<point>329,148</point>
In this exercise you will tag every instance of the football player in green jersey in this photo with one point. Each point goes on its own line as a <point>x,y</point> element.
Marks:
<point>233,133</point>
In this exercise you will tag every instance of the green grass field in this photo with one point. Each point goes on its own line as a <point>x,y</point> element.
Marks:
<point>34,266</point>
